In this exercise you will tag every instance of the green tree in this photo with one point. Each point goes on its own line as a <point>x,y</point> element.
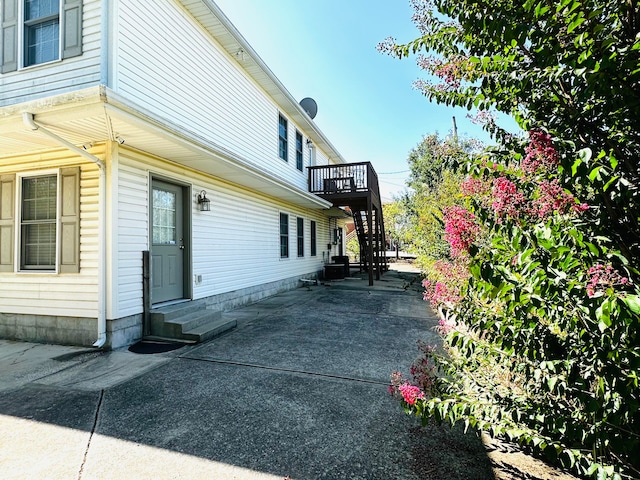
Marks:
<point>435,166</point>
<point>571,66</point>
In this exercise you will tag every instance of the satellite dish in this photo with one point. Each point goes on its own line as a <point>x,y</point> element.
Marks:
<point>310,106</point>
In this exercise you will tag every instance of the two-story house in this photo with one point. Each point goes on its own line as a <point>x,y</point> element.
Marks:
<point>153,168</point>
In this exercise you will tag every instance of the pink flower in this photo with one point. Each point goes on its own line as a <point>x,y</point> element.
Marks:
<point>411,393</point>
<point>553,198</point>
<point>541,154</point>
<point>461,229</point>
<point>507,201</point>
<point>474,187</point>
<point>603,277</point>
<point>447,285</point>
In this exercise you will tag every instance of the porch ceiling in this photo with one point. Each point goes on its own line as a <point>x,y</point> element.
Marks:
<point>98,115</point>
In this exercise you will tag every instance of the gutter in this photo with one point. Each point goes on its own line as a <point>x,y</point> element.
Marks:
<point>29,121</point>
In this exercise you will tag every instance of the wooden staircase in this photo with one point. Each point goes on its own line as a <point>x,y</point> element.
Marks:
<point>362,228</point>
<point>355,185</point>
<point>188,322</point>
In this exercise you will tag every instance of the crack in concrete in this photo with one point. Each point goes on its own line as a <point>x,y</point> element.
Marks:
<point>93,430</point>
<point>16,360</point>
<point>285,370</point>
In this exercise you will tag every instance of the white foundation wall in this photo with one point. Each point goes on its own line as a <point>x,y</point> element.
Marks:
<point>234,246</point>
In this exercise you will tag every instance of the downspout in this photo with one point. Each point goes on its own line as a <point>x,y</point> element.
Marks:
<point>28,120</point>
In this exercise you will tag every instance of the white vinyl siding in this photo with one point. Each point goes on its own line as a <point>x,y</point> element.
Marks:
<point>236,245</point>
<point>212,97</point>
<point>62,76</point>
<point>70,294</point>
<point>132,224</point>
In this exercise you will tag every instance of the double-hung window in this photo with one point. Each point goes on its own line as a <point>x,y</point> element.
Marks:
<point>283,145</point>
<point>299,156</point>
<point>38,222</point>
<point>314,241</point>
<point>34,32</point>
<point>300,236</point>
<point>44,233</point>
<point>41,31</point>
<point>284,235</point>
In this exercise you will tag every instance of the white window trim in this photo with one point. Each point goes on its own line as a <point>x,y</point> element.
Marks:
<point>18,216</point>
<point>21,38</point>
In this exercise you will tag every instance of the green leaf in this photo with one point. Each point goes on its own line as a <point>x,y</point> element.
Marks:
<point>603,315</point>
<point>575,24</point>
<point>633,302</point>
<point>595,173</point>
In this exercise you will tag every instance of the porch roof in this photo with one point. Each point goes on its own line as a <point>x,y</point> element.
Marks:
<point>98,114</point>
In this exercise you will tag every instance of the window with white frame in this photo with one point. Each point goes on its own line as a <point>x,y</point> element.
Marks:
<point>300,236</point>
<point>299,155</point>
<point>284,235</point>
<point>41,31</point>
<point>283,145</point>
<point>35,32</point>
<point>38,222</point>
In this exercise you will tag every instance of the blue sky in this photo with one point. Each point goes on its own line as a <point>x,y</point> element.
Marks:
<point>367,106</point>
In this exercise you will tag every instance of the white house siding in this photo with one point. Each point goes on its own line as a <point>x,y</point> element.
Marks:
<point>130,202</point>
<point>187,78</point>
<point>50,294</point>
<point>236,245</point>
<point>63,76</point>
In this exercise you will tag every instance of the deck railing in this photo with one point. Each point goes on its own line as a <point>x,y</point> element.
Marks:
<point>346,178</point>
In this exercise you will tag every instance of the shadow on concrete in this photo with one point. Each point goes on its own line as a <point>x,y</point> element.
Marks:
<point>299,389</point>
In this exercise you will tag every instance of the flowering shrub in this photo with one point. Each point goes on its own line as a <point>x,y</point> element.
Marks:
<point>545,351</point>
<point>475,187</point>
<point>552,198</point>
<point>522,338</point>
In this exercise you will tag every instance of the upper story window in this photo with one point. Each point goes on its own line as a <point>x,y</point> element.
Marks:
<point>299,156</point>
<point>283,145</point>
<point>39,31</point>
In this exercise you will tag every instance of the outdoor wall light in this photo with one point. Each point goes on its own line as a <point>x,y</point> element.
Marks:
<point>204,202</point>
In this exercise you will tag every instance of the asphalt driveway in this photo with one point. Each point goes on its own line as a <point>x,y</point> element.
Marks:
<point>298,389</point>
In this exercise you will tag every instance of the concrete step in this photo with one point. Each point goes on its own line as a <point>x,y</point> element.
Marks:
<point>209,330</point>
<point>190,321</point>
<point>177,310</point>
